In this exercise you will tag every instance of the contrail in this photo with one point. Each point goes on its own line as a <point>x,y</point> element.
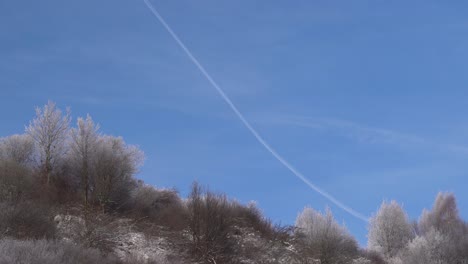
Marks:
<point>247,124</point>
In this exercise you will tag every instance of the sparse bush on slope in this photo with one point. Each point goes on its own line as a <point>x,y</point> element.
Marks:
<point>217,225</point>
<point>26,220</point>
<point>163,207</point>
<point>49,252</point>
<point>16,182</point>
<point>250,216</point>
<point>209,224</point>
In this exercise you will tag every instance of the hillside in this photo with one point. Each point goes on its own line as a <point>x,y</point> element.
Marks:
<point>69,195</point>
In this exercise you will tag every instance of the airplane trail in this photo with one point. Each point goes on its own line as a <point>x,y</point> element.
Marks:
<point>252,130</point>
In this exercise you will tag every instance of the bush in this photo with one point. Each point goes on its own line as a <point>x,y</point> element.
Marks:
<point>163,207</point>
<point>16,182</point>
<point>17,148</point>
<point>215,222</point>
<point>50,252</point>
<point>250,216</point>
<point>209,223</point>
<point>99,232</point>
<point>26,220</point>
<point>373,257</point>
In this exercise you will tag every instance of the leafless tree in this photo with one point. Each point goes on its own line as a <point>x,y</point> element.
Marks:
<point>84,140</point>
<point>49,130</point>
<point>115,164</point>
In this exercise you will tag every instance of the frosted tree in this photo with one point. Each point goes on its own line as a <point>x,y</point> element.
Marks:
<point>389,230</point>
<point>49,130</point>
<point>444,220</point>
<point>84,143</point>
<point>323,238</point>
<point>443,217</point>
<point>115,163</point>
<point>17,148</point>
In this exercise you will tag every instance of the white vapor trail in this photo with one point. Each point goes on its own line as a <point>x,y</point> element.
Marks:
<point>247,124</point>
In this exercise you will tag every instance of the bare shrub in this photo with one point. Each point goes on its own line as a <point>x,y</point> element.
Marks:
<point>218,225</point>
<point>251,216</point>
<point>209,224</point>
<point>163,207</point>
<point>100,231</point>
<point>65,188</point>
<point>26,220</point>
<point>50,252</point>
<point>16,182</point>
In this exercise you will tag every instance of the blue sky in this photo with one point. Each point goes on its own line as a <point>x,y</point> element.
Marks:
<point>367,98</point>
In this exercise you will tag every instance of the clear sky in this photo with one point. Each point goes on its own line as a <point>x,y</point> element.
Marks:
<point>368,99</point>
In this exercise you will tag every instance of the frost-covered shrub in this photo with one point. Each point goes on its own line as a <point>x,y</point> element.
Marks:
<point>372,256</point>
<point>17,148</point>
<point>323,238</point>
<point>428,249</point>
